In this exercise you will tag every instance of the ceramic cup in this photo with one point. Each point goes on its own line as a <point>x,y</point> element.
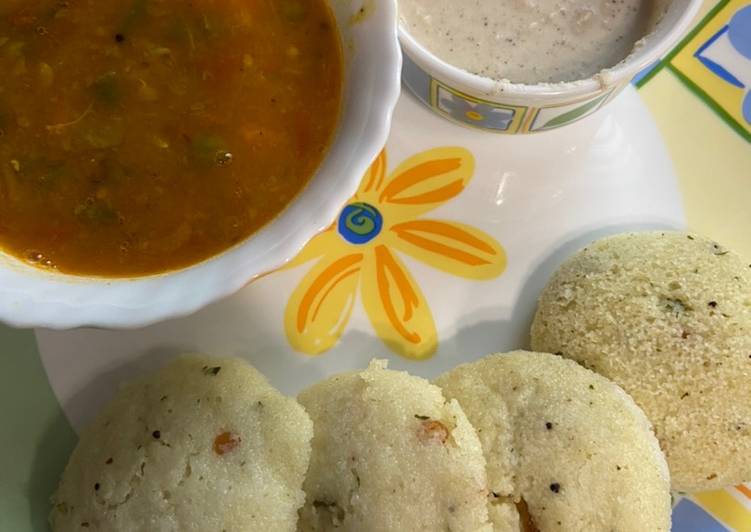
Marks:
<point>513,108</point>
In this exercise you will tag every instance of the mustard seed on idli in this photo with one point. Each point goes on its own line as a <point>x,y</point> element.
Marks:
<point>566,449</point>
<point>667,315</point>
<point>203,444</point>
<point>391,454</point>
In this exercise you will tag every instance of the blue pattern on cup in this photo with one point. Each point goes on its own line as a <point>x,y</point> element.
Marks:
<point>475,114</point>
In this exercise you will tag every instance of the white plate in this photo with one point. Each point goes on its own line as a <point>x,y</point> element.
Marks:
<point>539,196</point>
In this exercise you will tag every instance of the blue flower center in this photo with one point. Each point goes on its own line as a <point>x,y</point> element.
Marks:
<point>359,223</point>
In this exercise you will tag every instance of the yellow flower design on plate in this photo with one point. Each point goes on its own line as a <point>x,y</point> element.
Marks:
<point>358,251</point>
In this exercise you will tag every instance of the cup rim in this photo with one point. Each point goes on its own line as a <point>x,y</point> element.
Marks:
<point>656,44</point>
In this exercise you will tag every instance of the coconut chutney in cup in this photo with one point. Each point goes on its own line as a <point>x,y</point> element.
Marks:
<point>519,66</point>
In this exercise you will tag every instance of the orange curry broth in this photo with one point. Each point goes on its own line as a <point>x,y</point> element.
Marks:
<point>141,136</point>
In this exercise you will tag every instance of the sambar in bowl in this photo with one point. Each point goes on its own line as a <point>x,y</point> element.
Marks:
<point>146,143</point>
<point>142,136</point>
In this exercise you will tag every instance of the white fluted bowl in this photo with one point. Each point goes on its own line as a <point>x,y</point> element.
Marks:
<point>30,297</point>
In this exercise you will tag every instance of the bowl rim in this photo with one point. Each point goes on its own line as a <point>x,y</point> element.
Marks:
<point>30,297</point>
<point>656,44</point>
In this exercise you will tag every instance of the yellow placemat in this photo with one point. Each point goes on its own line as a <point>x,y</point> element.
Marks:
<point>700,98</point>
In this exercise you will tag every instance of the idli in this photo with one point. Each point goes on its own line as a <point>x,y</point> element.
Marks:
<point>203,444</point>
<point>566,449</point>
<point>666,315</point>
<point>390,453</point>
